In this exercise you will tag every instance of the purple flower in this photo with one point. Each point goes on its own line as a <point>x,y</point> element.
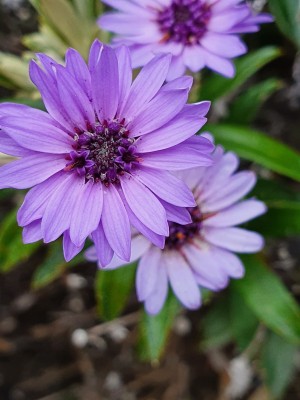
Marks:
<point>197,33</point>
<point>200,253</point>
<point>98,161</point>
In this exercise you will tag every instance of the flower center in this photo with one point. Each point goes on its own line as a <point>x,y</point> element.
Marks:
<point>184,21</point>
<point>180,234</point>
<point>103,152</point>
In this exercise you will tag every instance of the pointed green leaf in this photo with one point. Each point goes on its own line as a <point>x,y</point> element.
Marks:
<point>155,330</point>
<point>269,300</point>
<point>12,249</point>
<point>287,16</point>
<point>258,147</point>
<point>217,86</point>
<point>113,288</point>
<point>278,362</point>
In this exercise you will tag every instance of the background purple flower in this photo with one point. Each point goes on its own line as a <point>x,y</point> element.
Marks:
<point>98,161</point>
<point>200,253</point>
<point>197,33</point>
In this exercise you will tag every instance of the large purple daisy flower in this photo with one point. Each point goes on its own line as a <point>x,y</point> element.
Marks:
<point>200,253</point>
<point>197,33</point>
<point>98,161</point>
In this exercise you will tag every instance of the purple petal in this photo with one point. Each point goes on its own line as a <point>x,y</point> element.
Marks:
<point>37,135</point>
<point>32,232</point>
<point>230,263</point>
<point>188,122</point>
<point>177,68</point>
<point>146,85</point>
<point>125,74</point>
<point>182,280</point>
<point>177,214</point>
<point>183,82</point>
<point>139,246</point>
<point>50,96</point>
<point>36,199</point>
<point>227,19</point>
<point>232,190</point>
<point>157,240</point>
<point>87,212</point>
<point>166,186</point>
<point>227,46</point>
<point>165,106</point>
<point>116,223</point>
<point>194,58</point>
<point>59,210</point>
<point>137,195</point>
<point>234,239</point>
<point>70,250</point>
<point>219,64</point>
<point>205,265</point>
<point>30,171</point>
<point>12,148</point>
<point>104,252</point>
<point>237,214</point>
<point>157,298</point>
<point>77,67</point>
<point>181,156</point>
<point>147,272</point>
<point>105,84</point>
<point>76,102</point>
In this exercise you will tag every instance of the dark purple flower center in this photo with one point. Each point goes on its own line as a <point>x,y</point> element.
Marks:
<point>181,234</point>
<point>184,21</point>
<point>103,152</point>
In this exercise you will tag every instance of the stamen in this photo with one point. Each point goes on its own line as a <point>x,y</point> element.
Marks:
<point>184,21</point>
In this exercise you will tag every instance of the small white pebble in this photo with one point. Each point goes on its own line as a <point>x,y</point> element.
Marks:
<point>80,338</point>
<point>118,333</point>
<point>113,381</point>
<point>182,325</point>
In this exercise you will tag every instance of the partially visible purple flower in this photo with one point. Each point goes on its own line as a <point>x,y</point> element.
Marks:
<point>99,160</point>
<point>200,253</point>
<point>197,33</point>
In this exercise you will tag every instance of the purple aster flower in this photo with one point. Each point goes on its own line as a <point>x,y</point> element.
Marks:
<point>200,253</point>
<point>99,160</point>
<point>197,33</point>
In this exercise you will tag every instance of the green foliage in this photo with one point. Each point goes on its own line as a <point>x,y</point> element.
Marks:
<point>155,330</point>
<point>278,362</point>
<point>245,107</point>
<point>217,86</point>
<point>112,289</point>
<point>216,328</point>
<point>269,299</point>
<point>287,16</point>
<point>12,249</point>
<point>53,266</point>
<point>282,219</point>
<point>258,147</point>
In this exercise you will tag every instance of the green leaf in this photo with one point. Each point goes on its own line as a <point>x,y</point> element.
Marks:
<point>242,320</point>
<point>15,70</point>
<point>287,16</point>
<point>28,102</point>
<point>217,86</point>
<point>53,266</point>
<point>258,147</point>
<point>155,330</point>
<point>76,31</point>
<point>269,300</point>
<point>12,249</point>
<point>270,190</point>
<point>246,106</point>
<point>278,361</point>
<point>216,325</point>
<point>113,288</point>
<point>282,219</point>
